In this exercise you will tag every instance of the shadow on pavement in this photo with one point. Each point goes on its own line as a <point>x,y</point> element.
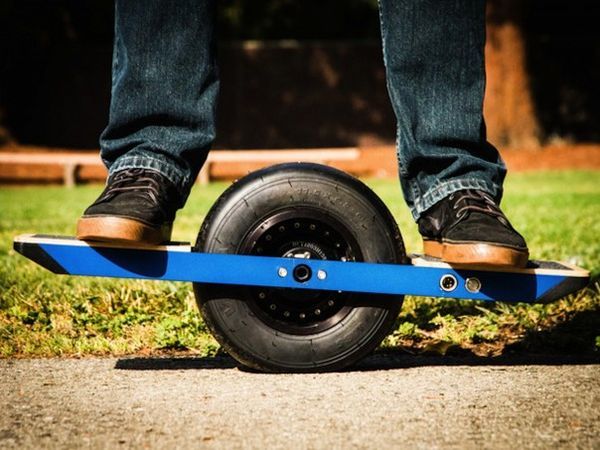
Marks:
<point>378,361</point>
<point>175,363</point>
<point>384,361</point>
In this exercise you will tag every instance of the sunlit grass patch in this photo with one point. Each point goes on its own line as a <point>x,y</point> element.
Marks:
<point>46,315</point>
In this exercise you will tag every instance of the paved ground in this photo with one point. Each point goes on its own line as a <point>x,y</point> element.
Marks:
<point>390,401</point>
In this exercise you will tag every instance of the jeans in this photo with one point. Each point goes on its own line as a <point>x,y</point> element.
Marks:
<point>165,86</point>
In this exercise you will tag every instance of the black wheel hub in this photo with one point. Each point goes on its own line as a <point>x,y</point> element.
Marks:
<point>300,233</point>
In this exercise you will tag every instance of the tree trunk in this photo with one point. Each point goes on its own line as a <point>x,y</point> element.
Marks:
<point>509,108</point>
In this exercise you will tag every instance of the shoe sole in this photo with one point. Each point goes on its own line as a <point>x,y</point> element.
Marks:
<point>119,229</point>
<point>476,254</point>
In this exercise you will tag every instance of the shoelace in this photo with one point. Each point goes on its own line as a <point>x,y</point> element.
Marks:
<point>134,180</point>
<point>476,201</point>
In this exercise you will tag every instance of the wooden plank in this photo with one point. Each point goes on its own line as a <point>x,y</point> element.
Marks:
<point>55,158</point>
<point>80,158</point>
<point>313,154</point>
<point>16,164</point>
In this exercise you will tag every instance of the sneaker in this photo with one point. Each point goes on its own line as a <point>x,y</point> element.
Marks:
<point>137,206</point>
<point>468,227</point>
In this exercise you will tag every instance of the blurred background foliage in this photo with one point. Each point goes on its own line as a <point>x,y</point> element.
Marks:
<point>55,72</point>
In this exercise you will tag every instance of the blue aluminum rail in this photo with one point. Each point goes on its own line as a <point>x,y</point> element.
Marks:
<point>541,281</point>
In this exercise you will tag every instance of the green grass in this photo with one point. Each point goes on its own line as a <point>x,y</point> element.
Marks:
<point>46,315</point>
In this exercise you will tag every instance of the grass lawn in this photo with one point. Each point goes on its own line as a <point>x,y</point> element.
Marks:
<point>46,315</point>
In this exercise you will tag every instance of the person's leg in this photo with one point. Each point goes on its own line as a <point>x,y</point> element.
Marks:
<point>162,114</point>
<point>434,57</point>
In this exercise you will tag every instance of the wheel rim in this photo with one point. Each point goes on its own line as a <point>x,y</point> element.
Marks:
<point>300,233</point>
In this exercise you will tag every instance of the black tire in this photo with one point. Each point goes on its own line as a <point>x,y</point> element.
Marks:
<point>319,212</point>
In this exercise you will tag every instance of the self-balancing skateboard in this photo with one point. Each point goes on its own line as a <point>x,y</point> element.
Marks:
<point>301,267</point>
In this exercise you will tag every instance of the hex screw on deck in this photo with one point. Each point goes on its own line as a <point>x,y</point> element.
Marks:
<point>321,274</point>
<point>473,285</point>
<point>282,272</point>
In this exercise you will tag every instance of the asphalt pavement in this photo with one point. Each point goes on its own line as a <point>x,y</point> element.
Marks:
<point>389,401</point>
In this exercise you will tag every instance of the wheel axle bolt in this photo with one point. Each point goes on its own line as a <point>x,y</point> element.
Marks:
<point>302,273</point>
<point>317,312</point>
<point>282,272</point>
<point>321,274</point>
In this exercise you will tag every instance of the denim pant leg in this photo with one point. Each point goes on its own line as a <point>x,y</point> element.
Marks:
<point>164,88</point>
<point>434,57</point>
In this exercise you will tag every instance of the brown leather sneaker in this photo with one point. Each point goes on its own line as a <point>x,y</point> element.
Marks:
<point>468,227</point>
<point>137,206</point>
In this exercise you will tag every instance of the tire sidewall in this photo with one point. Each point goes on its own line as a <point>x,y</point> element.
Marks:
<point>331,193</point>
